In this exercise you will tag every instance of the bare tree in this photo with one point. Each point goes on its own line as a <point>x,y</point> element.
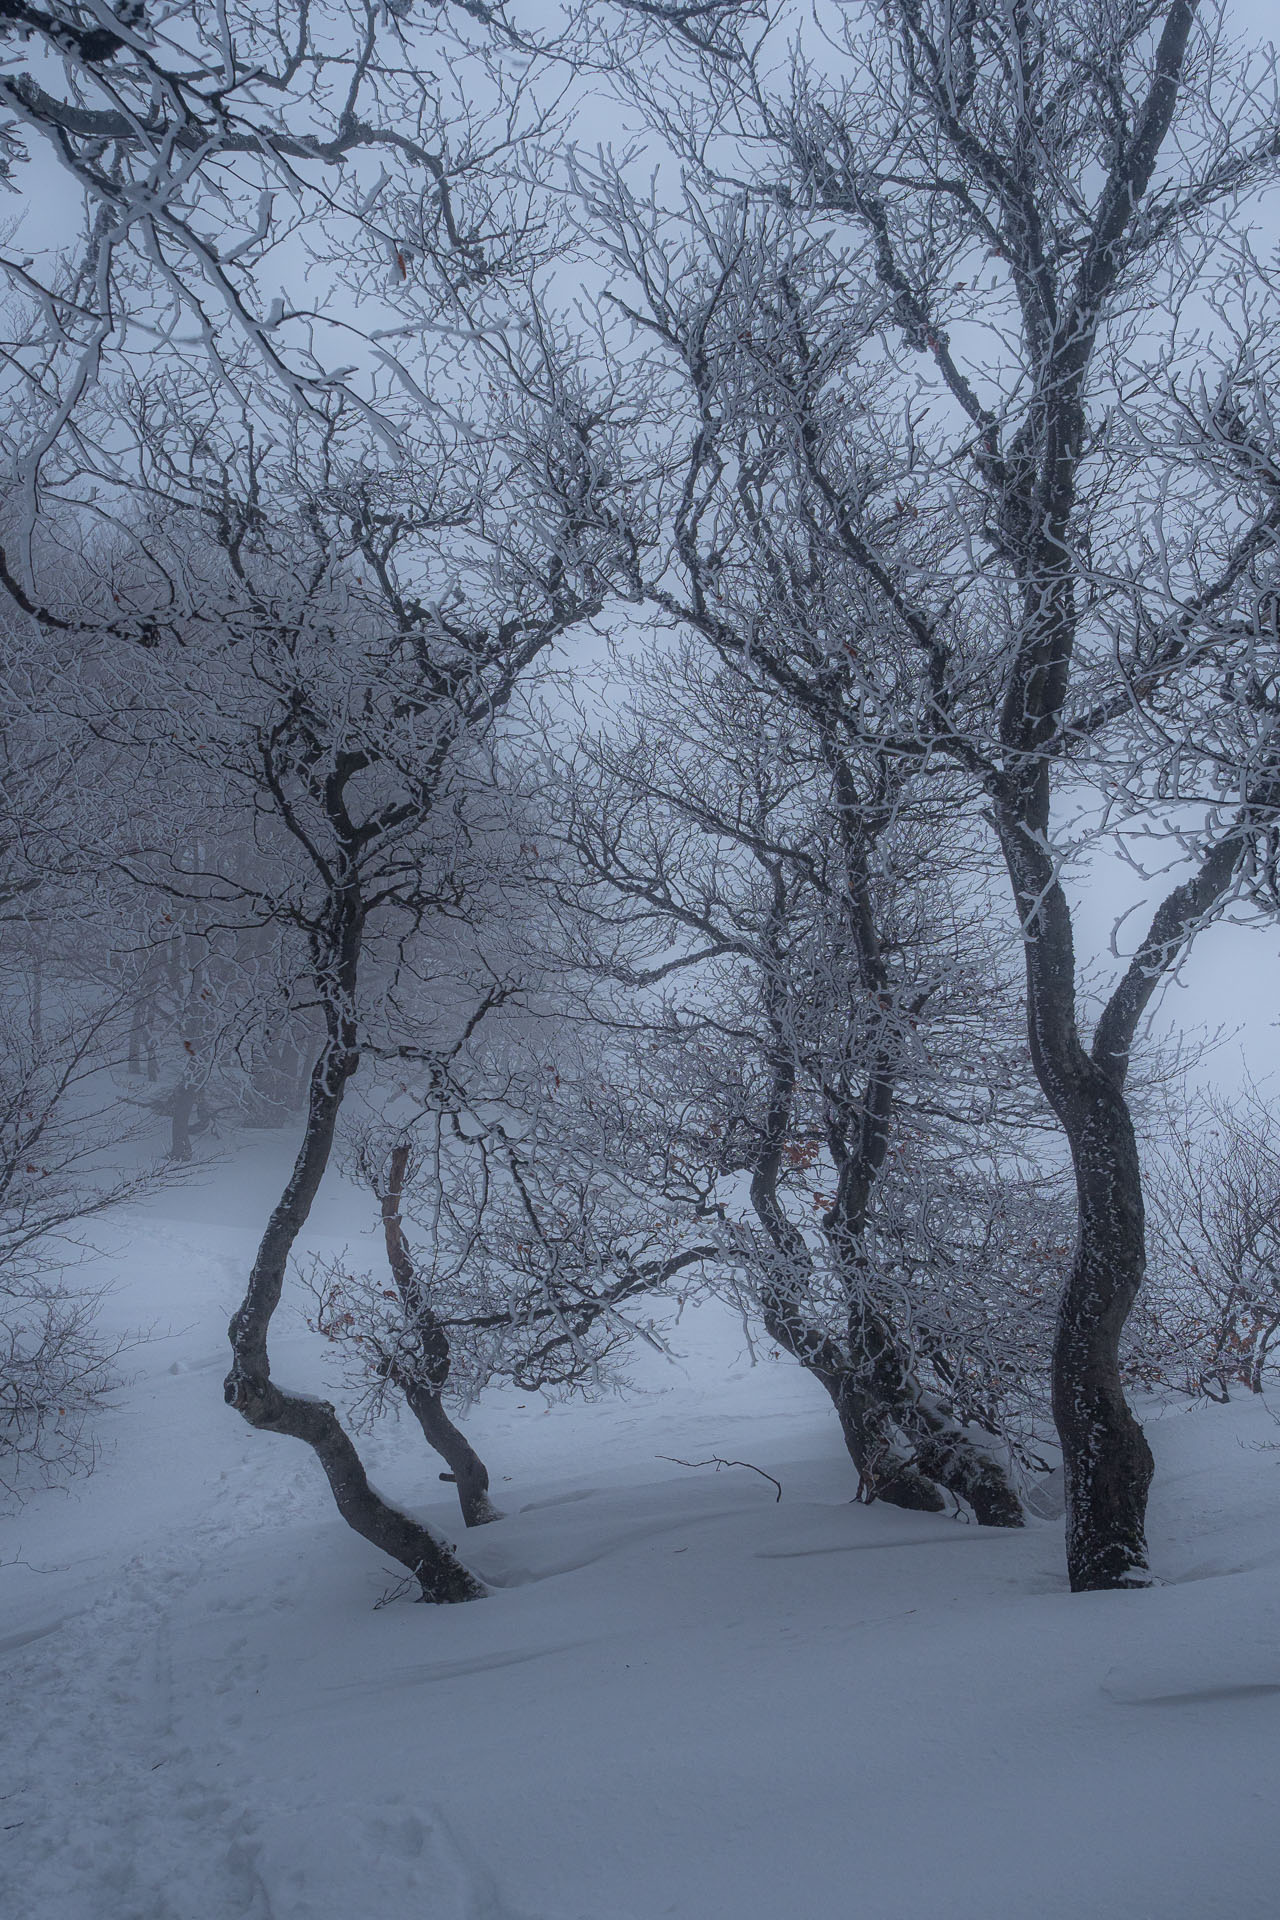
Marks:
<point>61,1136</point>
<point>825,1064</point>
<point>1209,1316</point>
<point>341,646</point>
<point>523,1243</point>
<point>972,215</point>
<point>389,148</point>
<point>70,1148</point>
<point>202,143</point>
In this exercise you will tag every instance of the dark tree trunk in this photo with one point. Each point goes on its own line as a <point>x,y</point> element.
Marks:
<point>950,1455</point>
<point>1107,1464</point>
<point>940,1448</point>
<point>1106,1460</point>
<point>906,1450</point>
<point>249,1387</point>
<point>422,1389</point>
<point>466,1469</point>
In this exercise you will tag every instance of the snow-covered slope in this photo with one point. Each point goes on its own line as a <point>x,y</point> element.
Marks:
<point>682,1697</point>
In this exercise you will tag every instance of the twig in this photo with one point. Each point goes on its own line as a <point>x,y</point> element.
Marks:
<point>396,1591</point>
<point>716,1462</point>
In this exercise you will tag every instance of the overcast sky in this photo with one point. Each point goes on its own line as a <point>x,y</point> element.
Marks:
<point>1231,979</point>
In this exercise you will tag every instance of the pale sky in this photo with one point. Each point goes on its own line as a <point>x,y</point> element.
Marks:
<point>1231,979</point>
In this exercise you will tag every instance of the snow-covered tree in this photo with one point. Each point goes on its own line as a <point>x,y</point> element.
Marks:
<point>1209,1316</point>
<point>324,655</point>
<point>823,1072</point>
<point>944,261</point>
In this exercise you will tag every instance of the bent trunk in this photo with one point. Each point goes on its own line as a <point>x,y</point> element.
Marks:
<point>466,1469</point>
<point>906,1451</point>
<point>906,1448</point>
<point>1107,1464</point>
<point>249,1387</point>
<point>422,1387</point>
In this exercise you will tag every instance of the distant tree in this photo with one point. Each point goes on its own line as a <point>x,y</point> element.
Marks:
<point>61,1136</point>
<point>70,1148</point>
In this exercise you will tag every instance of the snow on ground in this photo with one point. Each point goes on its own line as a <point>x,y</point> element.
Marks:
<point>681,1697</point>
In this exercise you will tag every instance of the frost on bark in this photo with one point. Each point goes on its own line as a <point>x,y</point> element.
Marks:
<point>420,1366</point>
<point>1069,602</point>
<point>909,1450</point>
<point>264,1404</point>
<point>823,921</point>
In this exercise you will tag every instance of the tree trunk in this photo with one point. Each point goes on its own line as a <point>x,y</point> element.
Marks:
<point>905,1452</point>
<point>956,1461</point>
<point>422,1390</point>
<point>906,1449</point>
<point>1106,1460</point>
<point>466,1469</point>
<point>249,1386</point>
<point>1107,1464</point>
<point>1264,1333</point>
<point>938,1444</point>
<point>181,1107</point>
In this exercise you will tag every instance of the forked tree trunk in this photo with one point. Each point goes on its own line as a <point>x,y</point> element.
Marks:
<point>249,1387</point>
<point>423,1395</point>
<point>906,1449</point>
<point>909,1452</point>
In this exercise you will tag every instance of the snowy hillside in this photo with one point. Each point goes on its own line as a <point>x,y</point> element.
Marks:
<point>682,1697</point>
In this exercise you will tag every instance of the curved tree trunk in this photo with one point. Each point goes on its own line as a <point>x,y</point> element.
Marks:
<point>466,1469</point>
<point>907,1449</point>
<point>1107,1464</point>
<point>249,1387</point>
<point>423,1394</point>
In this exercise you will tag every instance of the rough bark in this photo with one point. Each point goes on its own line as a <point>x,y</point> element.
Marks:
<point>906,1449</point>
<point>874,1448</point>
<point>1107,1463</point>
